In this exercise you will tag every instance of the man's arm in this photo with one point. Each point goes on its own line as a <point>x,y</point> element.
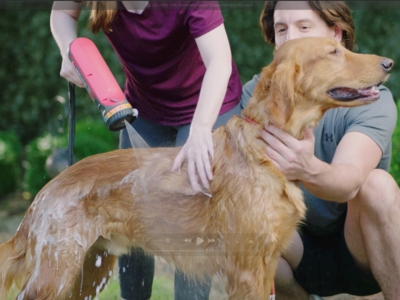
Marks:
<point>356,156</point>
<point>368,130</point>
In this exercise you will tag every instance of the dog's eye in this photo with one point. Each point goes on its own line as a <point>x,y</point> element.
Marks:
<point>336,51</point>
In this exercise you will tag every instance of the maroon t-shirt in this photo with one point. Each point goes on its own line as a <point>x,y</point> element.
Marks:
<point>163,67</point>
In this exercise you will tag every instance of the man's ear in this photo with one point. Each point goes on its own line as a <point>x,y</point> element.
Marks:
<point>283,88</point>
<point>338,34</point>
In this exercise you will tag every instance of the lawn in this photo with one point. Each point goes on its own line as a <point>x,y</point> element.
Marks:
<point>163,289</point>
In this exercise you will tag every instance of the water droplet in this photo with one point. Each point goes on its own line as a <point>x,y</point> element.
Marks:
<point>98,262</point>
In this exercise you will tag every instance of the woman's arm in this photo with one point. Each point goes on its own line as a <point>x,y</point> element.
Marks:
<point>63,24</point>
<point>216,54</point>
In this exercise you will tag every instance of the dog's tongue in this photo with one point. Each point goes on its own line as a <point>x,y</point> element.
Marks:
<point>368,92</point>
<point>347,94</point>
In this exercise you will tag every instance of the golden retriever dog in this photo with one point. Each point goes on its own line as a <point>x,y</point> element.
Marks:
<point>99,208</point>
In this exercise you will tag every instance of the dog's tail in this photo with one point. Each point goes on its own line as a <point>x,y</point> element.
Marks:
<point>12,258</point>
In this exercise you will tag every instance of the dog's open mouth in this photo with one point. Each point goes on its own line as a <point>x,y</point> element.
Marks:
<point>348,94</point>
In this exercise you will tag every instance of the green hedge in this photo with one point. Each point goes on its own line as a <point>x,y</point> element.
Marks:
<point>35,176</point>
<point>395,162</point>
<point>91,137</point>
<point>10,151</point>
<point>29,77</point>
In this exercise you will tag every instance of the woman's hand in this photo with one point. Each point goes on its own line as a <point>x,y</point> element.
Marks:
<point>63,23</point>
<point>196,149</point>
<point>68,71</point>
<point>294,158</point>
<point>216,54</point>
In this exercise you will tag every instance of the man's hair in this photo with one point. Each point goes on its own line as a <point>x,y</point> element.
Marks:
<point>332,12</point>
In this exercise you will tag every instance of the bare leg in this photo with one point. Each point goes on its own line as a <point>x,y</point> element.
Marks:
<point>286,285</point>
<point>372,231</point>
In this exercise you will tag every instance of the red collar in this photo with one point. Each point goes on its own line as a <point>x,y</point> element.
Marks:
<point>251,121</point>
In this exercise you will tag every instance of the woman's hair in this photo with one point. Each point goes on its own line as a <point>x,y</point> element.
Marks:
<point>332,12</point>
<point>101,15</point>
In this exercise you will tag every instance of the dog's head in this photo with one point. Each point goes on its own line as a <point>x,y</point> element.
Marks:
<point>311,75</point>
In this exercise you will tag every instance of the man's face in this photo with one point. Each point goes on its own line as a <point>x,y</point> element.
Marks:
<point>296,19</point>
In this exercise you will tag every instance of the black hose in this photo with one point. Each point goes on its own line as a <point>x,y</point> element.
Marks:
<point>71,132</point>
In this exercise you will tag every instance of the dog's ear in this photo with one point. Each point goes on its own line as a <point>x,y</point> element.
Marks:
<point>282,91</point>
<point>262,88</point>
<point>254,109</point>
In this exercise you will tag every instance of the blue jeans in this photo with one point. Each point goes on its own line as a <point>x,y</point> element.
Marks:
<point>136,270</point>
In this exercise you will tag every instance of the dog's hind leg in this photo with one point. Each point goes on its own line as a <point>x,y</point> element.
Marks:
<point>53,270</point>
<point>97,270</point>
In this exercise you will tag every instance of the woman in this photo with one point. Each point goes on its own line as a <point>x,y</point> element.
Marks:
<point>179,75</point>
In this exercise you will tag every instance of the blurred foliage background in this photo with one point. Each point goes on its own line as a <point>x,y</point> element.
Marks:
<point>30,81</point>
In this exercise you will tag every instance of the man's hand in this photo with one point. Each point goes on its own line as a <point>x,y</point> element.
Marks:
<point>338,181</point>
<point>294,158</point>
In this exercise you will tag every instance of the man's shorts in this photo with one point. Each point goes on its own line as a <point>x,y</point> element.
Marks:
<point>327,267</point>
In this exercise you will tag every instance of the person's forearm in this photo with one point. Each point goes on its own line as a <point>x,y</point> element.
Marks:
<point>64,29</point>
<point>212,94</point>
<point>333,182</point>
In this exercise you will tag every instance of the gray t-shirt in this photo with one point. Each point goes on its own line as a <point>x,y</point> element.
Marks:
<point>376,120</point>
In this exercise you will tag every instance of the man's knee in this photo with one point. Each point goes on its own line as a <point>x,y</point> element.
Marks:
<point>289,260</point>
<point>294,253</point>
<point>378,194</point>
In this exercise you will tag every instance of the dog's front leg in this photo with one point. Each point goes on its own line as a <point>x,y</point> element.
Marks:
<point>246,278</point>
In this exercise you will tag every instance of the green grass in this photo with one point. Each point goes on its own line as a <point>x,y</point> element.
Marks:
<point>111,292</point>
<point>163,289</point>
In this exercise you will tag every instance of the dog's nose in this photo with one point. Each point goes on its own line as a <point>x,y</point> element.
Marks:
<point>387,65</point>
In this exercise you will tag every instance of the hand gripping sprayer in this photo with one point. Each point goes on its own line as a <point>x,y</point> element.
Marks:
<point>101,84</point>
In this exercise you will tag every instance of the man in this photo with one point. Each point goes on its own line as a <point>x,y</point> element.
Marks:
<point>350,240</point>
